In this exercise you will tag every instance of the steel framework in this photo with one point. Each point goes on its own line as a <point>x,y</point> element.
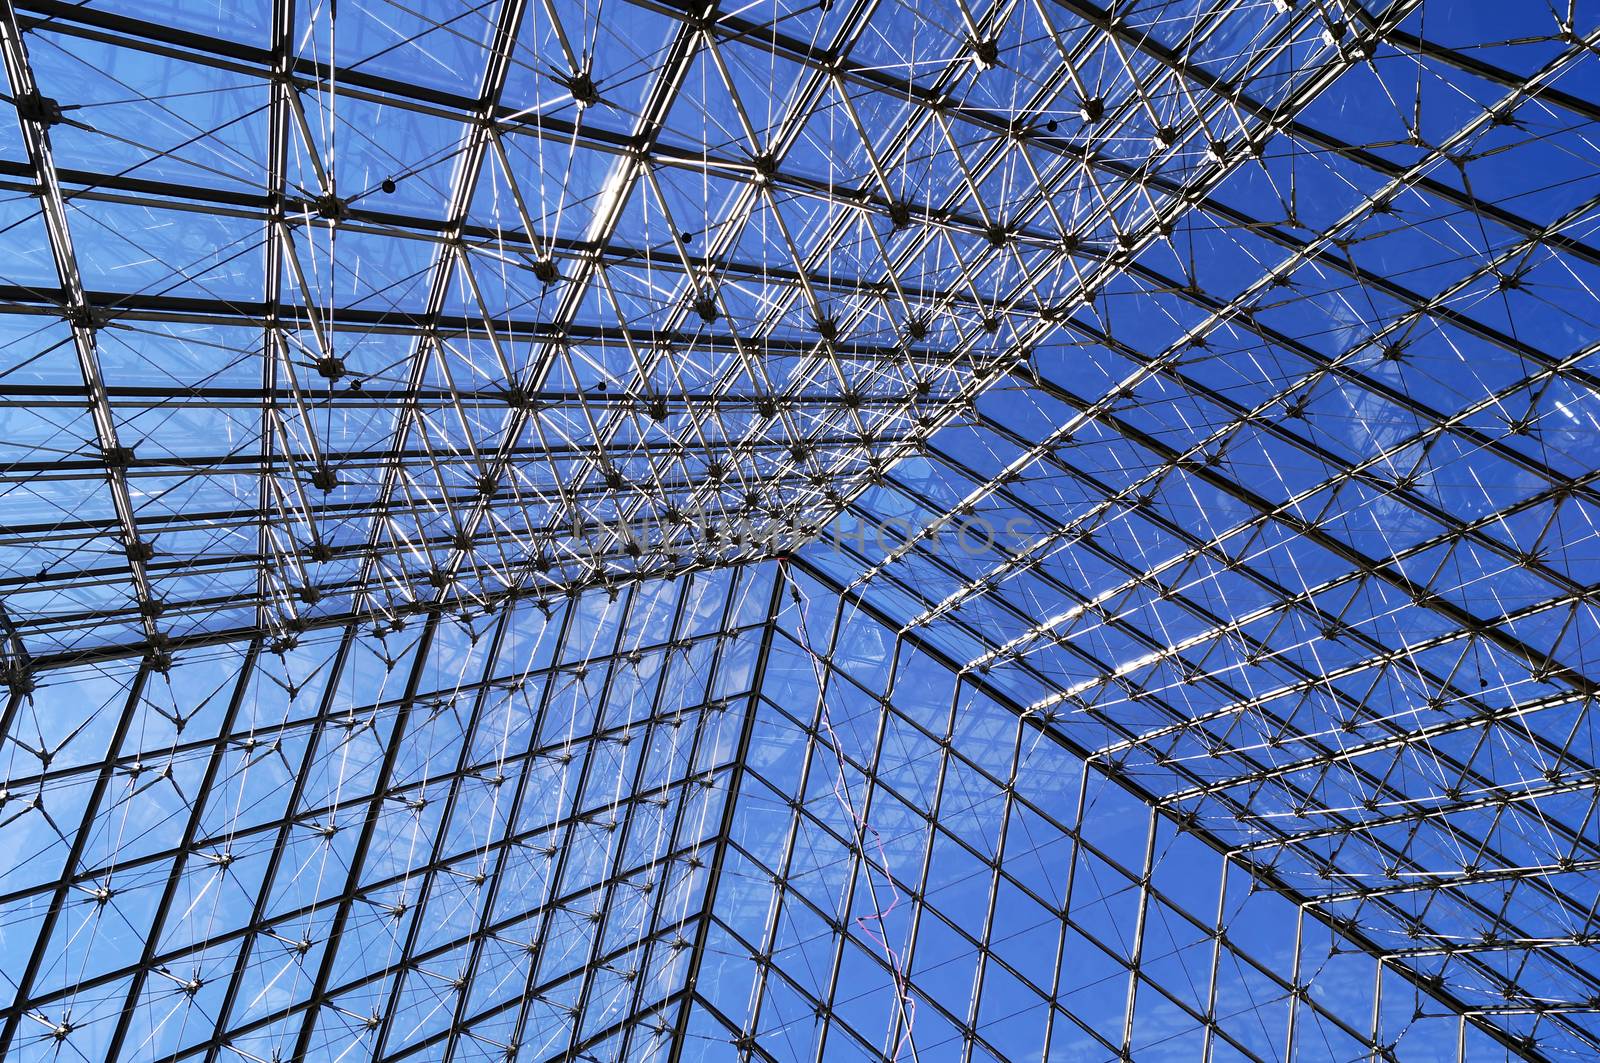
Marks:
<point>1027,530</point>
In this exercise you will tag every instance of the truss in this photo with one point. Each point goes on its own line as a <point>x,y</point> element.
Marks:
<point>578,530</point>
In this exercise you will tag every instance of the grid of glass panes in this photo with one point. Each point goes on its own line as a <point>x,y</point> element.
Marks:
<point>916,871</point>
<point>317,316</point>
<point>1443,817</point>
<point>445,837</point>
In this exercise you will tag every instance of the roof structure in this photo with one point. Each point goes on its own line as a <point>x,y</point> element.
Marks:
<point>648,530</point>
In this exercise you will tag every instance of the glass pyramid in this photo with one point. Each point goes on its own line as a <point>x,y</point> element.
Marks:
<point>1056,530</point>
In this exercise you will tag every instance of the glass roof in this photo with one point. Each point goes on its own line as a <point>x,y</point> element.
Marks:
<point>663,529</point>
